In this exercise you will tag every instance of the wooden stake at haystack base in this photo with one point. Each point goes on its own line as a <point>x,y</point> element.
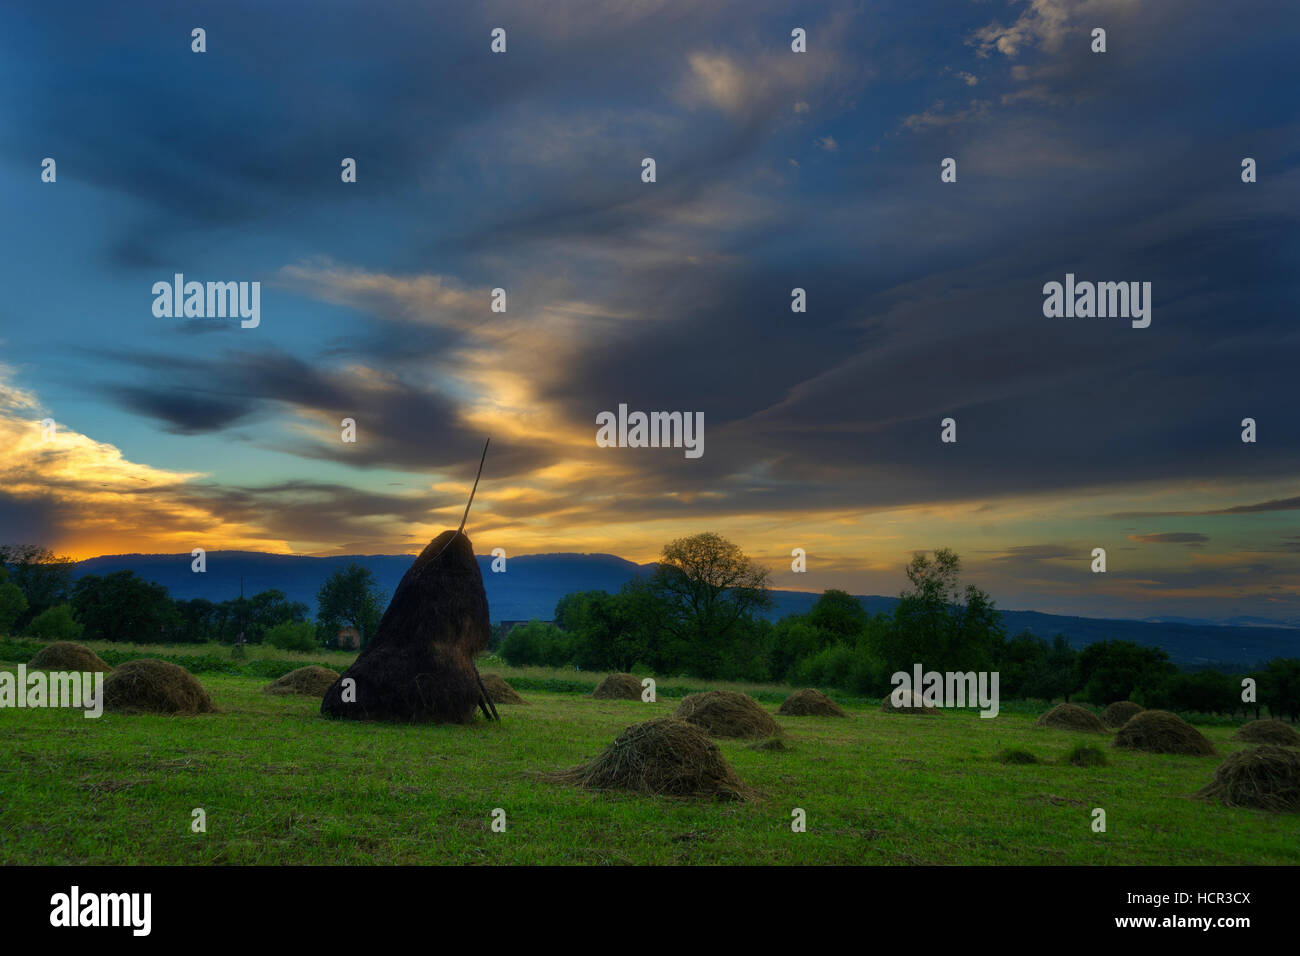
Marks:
<point>419,667</point>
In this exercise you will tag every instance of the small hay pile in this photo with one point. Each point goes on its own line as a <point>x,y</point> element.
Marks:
<point>810,703</point>
<point>1266,777</point>
<point>498,691</point>
<point>912,703</point>
<point>775,743</point>
<point>618,687</point>
<point>726,713</point>
<point>663,757</point>
<point>1072,717</point>
<point>67,656</point>
<point>1014,756</point>
<point>1268,732</point>
<point>1116,715</point>
<point>1086,755</point>
<point>155,687</point>
<point>1160,732</point>
<point>310,681</point>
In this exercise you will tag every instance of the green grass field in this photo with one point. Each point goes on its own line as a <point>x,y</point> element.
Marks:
<point>279,784</point>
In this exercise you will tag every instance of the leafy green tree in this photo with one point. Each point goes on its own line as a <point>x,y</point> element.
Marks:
<point>44,578</point>
<point>122,606</point>
<point>1279,688</point>
<point>708,589</point>
<point>349,598</point>
<point>12,602</point>
<point>1122,670</point>
<point>536,644</point>
<point>839,615</point>
<point>198,621</point>
<point>938,625</point>
<point>292,636</point>
<point>56,624</point>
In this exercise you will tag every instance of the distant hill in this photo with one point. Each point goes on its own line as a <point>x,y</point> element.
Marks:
<point>533,583</point>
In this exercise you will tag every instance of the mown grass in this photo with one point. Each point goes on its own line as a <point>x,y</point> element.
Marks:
<point>279,784</point>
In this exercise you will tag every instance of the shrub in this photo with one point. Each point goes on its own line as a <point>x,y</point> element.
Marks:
<point>291,636</point>
<point>55,624</point>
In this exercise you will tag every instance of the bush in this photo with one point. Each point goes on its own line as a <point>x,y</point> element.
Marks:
<point>55,624</point>
<point>536,644</point>
<point>291,636</point>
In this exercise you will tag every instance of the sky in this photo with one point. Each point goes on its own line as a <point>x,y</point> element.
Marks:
<point>775,170</point>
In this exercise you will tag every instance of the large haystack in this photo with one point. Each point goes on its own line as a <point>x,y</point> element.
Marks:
<point>499,692</point>
<point>1072,717</point>
<point>419,667</point>
<point>67,656</point>
<point>726,713</point>
<point>1160,732</point>
<point>310,681</point>
<point>1116,715</point>
<point>1265,777</point>
<point>810,703</point>
<point>909,702</point>
<point>664,757</point>
<point>618,687</point>
<point>155,687</point>
<point>1268,732</point>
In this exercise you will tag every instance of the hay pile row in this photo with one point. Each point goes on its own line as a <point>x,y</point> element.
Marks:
<point>910,702</point>
<point>1160,732</point>
<point>1268,732</point>
<point>661,757</point>
<point>1116,715</point>
<point>1072,717</point>
<point>310,681</point>
<point>1266,777</point>
<point>67,656</point>
<point>155,687</point>
<point>500,692</point>
<point>618,687</point>
<point>726,713</point>
<point>136,687</point>
<point>810,703</point>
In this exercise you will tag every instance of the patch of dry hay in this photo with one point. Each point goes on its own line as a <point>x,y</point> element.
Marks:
<point>1072,717</point>
<point>310,681</point>
<point>910,703</point>
<point>726,713</point>
<point>1160,732</point>
<point>498,691</point>
<point>155,687</point>
<point>662,757</point>
<point>1268,732</point>
<point>1266,777</point>
<point>1116,715</point>
<point>810,703</point>
<point>67,656</point>
<point>618,687</point>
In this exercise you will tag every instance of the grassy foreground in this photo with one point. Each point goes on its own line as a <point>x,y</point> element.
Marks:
<point>280,784</point>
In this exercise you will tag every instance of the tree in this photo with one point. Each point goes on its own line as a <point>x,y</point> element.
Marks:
<point>933,625</point>
<point>1117,670</point>
<point>292,636</point>
<point>44,578</point>
<point>55,624</point>
<point>123,606</point>
<point>839,615</point>
<point>708,588</point>
<point>349,598</point>
<point>13,603</point>
<point>536,644</point>
<point>1280,687</point>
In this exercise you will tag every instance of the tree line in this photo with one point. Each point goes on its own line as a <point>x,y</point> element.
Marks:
<point>698,615</point>
<point>39,598</point>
